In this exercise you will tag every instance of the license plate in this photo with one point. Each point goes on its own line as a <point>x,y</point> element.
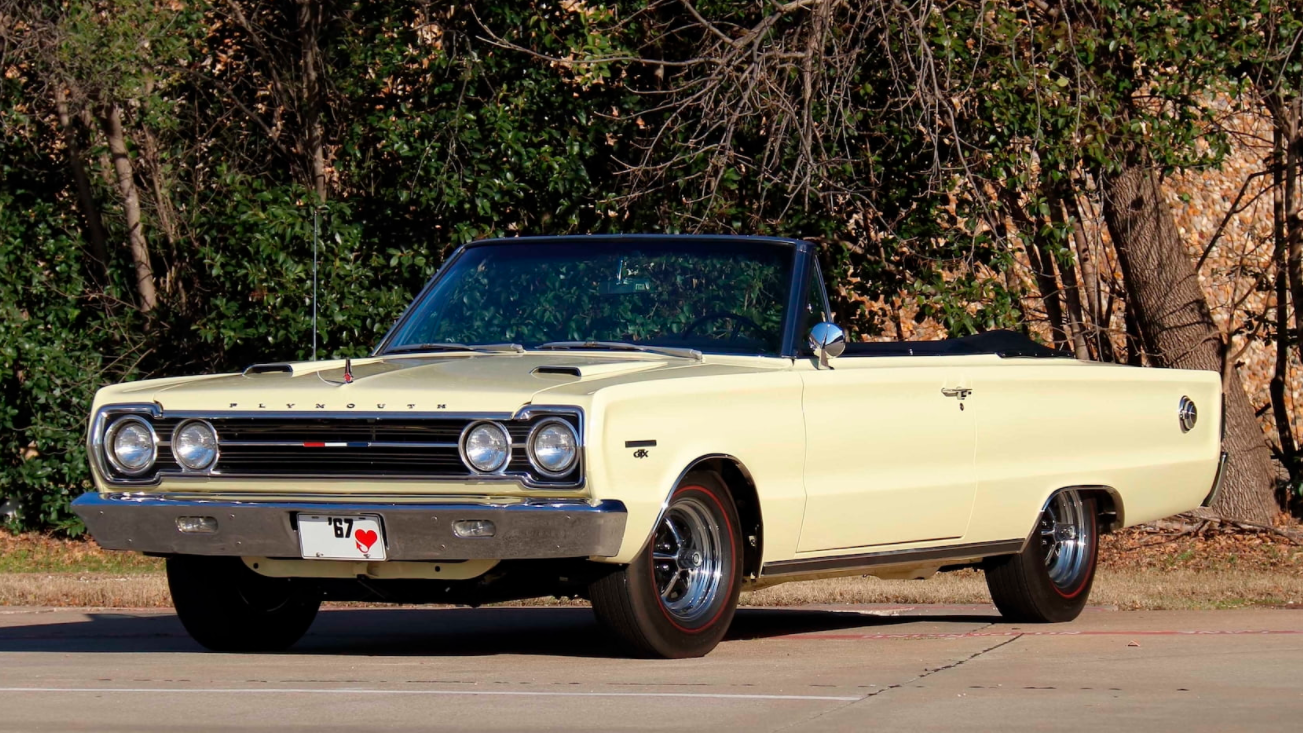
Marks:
<point>341,537</point>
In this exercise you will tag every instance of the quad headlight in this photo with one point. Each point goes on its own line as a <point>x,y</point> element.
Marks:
<point>485,447</point>
<point>553,447</point>
<point>194,444</point>
<point>131,446</point>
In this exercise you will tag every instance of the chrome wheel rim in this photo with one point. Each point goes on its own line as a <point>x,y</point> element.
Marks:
<point>1064,534</point>
<point>688,560</point>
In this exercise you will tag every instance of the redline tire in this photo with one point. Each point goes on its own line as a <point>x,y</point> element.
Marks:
<point>227,607</point>
<point>681,607</point>
<point>1042,584</point>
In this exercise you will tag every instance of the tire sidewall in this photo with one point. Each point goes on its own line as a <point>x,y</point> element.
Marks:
<point>670,637</point>
<point>1057,604</point>
<point>210,595</point>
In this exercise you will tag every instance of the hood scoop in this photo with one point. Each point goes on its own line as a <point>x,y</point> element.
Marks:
<point>591,371</point>
<point>280,368</point>
<point>565,371</point>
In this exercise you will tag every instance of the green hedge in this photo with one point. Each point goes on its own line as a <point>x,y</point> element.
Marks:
<point>434,137</point>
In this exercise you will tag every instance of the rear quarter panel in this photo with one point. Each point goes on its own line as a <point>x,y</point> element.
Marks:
<point>1045,425</point>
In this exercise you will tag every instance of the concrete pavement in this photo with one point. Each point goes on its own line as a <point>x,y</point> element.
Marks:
<point>818,668</point>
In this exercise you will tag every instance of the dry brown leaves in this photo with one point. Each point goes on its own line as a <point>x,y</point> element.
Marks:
<point>1197,545</point>
<point>34,552</point>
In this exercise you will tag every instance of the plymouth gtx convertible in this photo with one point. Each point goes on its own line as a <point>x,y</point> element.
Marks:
<point>652,423</point>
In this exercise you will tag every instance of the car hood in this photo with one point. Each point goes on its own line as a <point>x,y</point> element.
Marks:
<point>500,383</point>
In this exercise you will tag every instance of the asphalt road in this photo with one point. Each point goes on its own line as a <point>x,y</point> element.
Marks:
<point>826,669</point>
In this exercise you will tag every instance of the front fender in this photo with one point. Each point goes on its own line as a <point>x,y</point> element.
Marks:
<point>645,441</point>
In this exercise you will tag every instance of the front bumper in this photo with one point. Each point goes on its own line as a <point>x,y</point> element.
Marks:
<point>412,531</point>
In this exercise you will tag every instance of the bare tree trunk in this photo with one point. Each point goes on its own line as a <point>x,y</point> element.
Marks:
<point>112,122</point>
<point>1135,342</point>
<point>164,212</point>
<point>85,197</point>
<point>90,123</point>
<point>1049,287</point>
<point>1012,280</point>
<point>1279,408</point>
<point>1085,257</point>
<point>1282,170</point>
<point>309,31</point>
<point>162,202</point>
<point>1090,281</point>
<point>1074,323</point>
<point>1293,225</point>
<point>1165,297</point>
<point>1071,291</point>
<point>1038,260</point>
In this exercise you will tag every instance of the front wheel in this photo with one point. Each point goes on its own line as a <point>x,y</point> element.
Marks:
<point>227,607</point>
<point>678,596</point>
<point>1049,581</point>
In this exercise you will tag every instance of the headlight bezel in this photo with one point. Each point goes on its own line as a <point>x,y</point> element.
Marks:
<point>465,456</point>
<point>534,461</point>
<point>110,445</point>
<point>175,442</point>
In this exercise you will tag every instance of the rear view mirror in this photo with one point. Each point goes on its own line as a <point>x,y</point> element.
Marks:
<point>828,341</point>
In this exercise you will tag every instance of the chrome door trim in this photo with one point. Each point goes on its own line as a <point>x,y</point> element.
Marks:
<point>891,557</point>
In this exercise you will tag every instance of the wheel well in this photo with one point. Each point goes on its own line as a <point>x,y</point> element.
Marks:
<point>1109,506</point>
<point>743,490</point>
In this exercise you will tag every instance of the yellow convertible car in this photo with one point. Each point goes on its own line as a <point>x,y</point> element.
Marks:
<point>653,423</point>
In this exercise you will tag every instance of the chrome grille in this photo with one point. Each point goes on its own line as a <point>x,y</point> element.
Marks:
<point>286,461</point>
<point>339,446</point>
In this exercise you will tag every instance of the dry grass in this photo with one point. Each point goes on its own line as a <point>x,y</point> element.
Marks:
<point>101,590</point>
<point>1125,589</point>
<point>1143,568</point>
<point>31,552</point>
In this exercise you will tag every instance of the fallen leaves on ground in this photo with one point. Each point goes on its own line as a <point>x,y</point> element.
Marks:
<point>1172,545</point>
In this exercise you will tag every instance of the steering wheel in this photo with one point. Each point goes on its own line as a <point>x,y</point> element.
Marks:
<point>738,318</point>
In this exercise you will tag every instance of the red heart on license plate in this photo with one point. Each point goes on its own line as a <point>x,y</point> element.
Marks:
<point>365,538</point>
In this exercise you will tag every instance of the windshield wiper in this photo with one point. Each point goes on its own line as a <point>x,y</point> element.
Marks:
<point>623,346</point>
<point>479,348</point>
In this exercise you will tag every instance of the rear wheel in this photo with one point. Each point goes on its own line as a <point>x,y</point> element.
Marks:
<point>678,597</point>
<point>1050,580</point>
<point>227,607</point>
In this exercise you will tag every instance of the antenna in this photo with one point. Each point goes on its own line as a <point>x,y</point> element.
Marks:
<point>316,237</point>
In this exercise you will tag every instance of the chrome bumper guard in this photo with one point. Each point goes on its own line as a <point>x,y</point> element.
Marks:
<point>412,531</point>
<point>1217,481</point>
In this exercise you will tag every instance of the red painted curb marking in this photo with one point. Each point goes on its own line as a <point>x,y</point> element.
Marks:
<point>981,634</point>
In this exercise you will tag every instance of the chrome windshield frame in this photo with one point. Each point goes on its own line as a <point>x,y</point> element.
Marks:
<point>795,291</point>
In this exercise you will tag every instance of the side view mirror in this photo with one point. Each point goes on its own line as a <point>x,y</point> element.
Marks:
<point>828,341</point>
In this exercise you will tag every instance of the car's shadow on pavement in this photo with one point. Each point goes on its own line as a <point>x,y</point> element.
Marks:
<point>550,631</point>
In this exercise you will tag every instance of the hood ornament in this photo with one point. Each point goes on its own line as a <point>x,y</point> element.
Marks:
<point>347,378</point>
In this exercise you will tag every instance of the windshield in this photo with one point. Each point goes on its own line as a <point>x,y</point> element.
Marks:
<point>713,296</point>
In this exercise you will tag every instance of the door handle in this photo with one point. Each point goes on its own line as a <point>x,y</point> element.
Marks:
<point>960,393</point>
